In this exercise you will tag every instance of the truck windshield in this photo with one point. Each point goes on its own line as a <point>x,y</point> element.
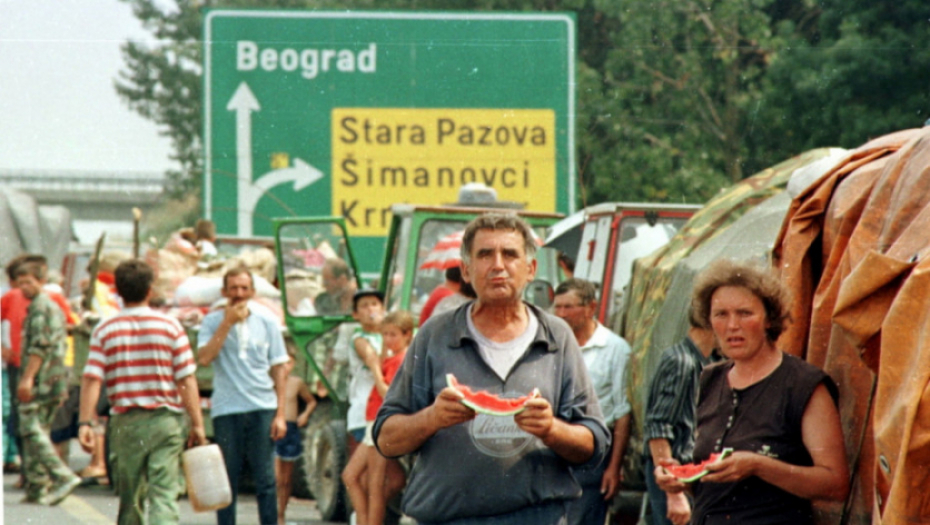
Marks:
<point>317,272</point>
<point>439,248</point>
<point>638,237</point>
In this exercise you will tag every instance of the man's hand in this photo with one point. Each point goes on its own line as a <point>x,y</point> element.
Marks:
<point>87,438</point>
<point>303,419</point>
<point>236,312</point>
<point>666,480</point>
<point>278,428</point>
<point>447,410</point>
<point>24,389</point>
<point>610,483</point>
<point>404,433</point>
<point>537,419</point>
<point>678,508</point>
<point>196,437</point>
<point>7,354</point>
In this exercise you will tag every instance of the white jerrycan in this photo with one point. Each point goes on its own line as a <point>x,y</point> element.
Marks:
<point>207,482</point>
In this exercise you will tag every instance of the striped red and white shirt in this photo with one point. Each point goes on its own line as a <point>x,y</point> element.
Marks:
<point>140,353</point>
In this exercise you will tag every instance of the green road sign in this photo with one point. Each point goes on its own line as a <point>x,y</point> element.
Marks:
<point>345,113</point>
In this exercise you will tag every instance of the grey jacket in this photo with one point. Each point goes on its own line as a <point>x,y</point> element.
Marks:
<point>489,466</point>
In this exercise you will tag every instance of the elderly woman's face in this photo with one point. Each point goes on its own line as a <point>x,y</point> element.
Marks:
<point>738,318</point>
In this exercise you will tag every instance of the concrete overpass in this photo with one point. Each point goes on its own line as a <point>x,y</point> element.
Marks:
<point>90,195</point>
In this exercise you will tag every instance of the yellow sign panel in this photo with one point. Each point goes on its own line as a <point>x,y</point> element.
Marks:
<point>423,156</point>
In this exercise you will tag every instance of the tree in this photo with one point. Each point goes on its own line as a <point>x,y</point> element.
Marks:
<point>162,83</point>
<point>677,95</point>
<point>861,74</point>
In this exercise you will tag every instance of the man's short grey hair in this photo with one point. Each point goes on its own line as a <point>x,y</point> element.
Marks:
<point>498,221</point>
<point>586,290</point>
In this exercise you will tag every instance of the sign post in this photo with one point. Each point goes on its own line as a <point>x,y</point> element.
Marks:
<point>346,113</point>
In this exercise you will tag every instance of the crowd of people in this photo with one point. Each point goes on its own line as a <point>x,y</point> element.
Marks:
<point>558,460</point>
<point>139,381</point>
<point>725,386</point>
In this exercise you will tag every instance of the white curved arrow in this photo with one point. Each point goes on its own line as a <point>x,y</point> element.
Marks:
<point>302,174</point>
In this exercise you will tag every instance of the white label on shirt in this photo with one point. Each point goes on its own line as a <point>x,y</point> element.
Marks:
<point>498,436</point>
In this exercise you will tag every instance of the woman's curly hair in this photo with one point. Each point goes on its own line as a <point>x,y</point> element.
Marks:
<point>761,282</point>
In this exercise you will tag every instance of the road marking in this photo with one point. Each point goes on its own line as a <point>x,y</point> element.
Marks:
<point>80,509</point>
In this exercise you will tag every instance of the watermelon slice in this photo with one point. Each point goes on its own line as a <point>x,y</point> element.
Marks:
<point>487,403</point>
<point>695,471</point>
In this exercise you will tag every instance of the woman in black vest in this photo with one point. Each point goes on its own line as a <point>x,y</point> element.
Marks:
<point>777,412</point>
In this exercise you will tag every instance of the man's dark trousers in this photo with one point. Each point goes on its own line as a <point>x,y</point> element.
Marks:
<point>248,435</point>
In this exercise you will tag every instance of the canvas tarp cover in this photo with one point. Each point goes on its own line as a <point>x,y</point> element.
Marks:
<point>55,224</point>
<point>27,227</point>
<point>749,238</point>
<point>853,249</point>
<point>9,232</point>
<point>645,315</point>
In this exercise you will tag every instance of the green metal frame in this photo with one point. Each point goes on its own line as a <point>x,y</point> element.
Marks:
<point>418,216</point>
<point>305,330</point>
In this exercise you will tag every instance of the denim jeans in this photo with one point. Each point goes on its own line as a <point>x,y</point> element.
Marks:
<point>10,451</point>
<point>657,501</point>
<point>590,508</point>
<point>550,513</point>
<point>248,435</point>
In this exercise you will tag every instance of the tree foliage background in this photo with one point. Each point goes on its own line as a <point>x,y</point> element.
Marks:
<point>676,98</point>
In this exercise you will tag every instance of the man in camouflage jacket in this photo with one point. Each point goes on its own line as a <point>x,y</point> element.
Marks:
<point>42,388</point>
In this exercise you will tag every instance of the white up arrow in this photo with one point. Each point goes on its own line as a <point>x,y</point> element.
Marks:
<point>302,174</point>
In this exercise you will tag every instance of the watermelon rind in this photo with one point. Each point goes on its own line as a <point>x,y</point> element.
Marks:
<point>450,380</point>
<point>723,455</point>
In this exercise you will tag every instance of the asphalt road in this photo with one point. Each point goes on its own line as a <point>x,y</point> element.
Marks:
<point>98,505</point>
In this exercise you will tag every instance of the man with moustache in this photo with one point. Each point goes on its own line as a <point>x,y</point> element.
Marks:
<point>606,356</point>
<point>474,468</point>
<point>339,289</point>
<point>244,343</point>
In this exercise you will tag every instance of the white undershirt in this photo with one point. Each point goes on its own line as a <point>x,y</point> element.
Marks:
<point>502,356</point>
<point>243,336</point>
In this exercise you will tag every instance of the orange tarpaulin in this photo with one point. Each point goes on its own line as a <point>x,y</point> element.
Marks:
<point>852,251</point>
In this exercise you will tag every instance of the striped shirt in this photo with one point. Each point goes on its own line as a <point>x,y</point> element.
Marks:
<point>140,354</point>
<point>672,399</point>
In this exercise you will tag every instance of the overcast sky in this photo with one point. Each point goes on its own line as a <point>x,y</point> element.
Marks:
<point>58,108</point>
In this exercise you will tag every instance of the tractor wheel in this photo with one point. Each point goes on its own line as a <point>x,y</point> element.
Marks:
<point>325,457</point>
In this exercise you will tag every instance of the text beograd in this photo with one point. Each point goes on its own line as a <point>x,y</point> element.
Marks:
<point>310,61</point>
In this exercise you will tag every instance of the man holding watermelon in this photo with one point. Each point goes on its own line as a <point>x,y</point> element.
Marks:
<point>476,466</point>
<point>668,425</point>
